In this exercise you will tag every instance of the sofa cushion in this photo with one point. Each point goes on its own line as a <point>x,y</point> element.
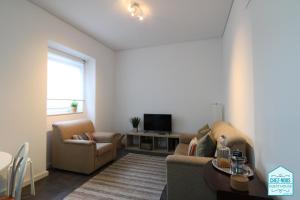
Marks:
<point>103,148</point>
<point>206,126</point>
<point>192,147</point>
<point>203,131</point>
<point>182,149</point>
<point>206,146</point>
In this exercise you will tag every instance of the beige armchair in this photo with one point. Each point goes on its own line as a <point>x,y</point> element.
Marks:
<point>81,156</point>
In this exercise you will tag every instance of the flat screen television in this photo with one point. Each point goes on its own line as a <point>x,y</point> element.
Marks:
<point>158,122</point>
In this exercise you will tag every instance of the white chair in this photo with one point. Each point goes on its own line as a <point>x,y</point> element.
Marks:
<point>17,172</point>
<point>32,187</point>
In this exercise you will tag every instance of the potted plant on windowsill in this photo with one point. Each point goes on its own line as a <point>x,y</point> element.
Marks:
<point>135,123</point>
<point>74,106</point>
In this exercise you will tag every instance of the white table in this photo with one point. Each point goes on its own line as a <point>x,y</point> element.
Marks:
<point>5,160</point>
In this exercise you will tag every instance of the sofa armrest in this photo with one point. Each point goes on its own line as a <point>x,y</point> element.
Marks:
<point>187,169</point>
<point>186,138</point>
<point>74,155</point>
<point>104,137</point>
<point>188,160</point>
<point>109,137</point>
<point>79,142</point>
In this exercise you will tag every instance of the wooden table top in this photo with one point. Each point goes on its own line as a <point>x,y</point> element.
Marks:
<point>220,181</point>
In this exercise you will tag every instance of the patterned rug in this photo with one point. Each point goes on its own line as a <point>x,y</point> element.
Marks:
<point>134,177</point>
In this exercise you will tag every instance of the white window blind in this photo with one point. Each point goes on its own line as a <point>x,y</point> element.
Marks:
<point>65,83</point>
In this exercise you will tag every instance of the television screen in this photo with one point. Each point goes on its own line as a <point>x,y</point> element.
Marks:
<point>158,122</point>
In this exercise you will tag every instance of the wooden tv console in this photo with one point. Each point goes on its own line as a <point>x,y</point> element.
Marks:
<point>152,142</point>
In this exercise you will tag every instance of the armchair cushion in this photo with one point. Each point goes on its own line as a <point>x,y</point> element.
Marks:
<point>80,142</point>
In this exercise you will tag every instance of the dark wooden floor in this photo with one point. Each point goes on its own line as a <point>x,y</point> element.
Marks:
<point>60,183</point>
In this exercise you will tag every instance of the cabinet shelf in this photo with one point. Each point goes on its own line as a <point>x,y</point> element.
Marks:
<point>157,143</point>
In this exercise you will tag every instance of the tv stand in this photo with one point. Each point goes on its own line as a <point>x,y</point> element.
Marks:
<point>158,132</point>
<point>163,133</point>
<point>153,142</point>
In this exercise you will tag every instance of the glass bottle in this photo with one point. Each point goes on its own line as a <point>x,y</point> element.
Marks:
<point>223,153</point>
<point>237,162</point>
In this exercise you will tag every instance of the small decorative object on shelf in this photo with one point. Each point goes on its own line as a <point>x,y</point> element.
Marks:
<point>135,123</point>
<point>74,106</point>
<point>223,153</point>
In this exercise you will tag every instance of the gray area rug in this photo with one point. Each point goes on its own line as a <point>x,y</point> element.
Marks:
<point>134,177</point>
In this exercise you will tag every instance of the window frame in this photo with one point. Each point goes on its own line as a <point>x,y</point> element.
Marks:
<point>72,58</point>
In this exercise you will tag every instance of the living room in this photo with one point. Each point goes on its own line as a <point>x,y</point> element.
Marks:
<point>199,61</point>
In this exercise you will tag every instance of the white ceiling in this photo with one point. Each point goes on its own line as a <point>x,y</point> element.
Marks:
<point>166,21</point>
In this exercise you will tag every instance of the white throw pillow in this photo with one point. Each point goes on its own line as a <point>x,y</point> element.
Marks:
<point>192,147</point>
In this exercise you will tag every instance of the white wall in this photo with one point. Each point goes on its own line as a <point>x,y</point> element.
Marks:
<point>276,47</point>
<point>261,55</point>
<point>25,33</point>
<point>238,69</point>
<point>182,79</point>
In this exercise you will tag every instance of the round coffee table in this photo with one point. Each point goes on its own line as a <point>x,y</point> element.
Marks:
<point>220,183</point>
<point>5,160</point>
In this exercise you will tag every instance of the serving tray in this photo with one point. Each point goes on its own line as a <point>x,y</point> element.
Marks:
<point>247,170</point>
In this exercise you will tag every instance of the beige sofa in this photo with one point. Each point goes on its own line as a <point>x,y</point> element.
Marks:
<point>185,173</point>
<point>81,156</point>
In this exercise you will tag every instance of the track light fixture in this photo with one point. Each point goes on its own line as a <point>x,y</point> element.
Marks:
<point>135,11</point>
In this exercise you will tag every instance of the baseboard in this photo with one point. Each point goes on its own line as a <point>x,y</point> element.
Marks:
<point>37,177</point>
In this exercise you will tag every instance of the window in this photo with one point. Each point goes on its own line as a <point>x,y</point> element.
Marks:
<point>65,83</point>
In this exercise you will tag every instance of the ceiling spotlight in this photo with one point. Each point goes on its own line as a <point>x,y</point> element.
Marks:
<point>135,11</point>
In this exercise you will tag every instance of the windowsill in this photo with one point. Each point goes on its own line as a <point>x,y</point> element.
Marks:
<point>68,113</point>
